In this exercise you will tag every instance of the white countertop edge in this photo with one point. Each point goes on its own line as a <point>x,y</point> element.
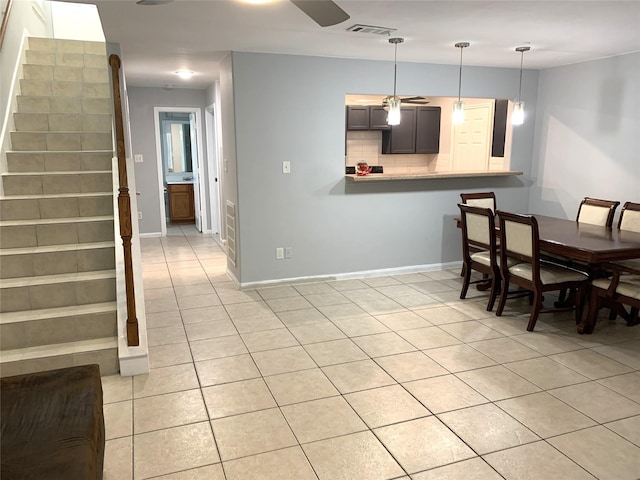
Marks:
<point>382,177</point>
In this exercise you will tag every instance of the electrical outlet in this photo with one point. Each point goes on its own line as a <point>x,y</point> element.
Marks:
<point>138,158</point>
<point>139,215</point>
<point>287,252</point>
<point>279,253</point>
<point>286,166</point>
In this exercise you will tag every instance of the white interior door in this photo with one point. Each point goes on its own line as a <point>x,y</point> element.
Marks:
<point>212,162</point>
<point>196,170</point>
<point>472,139</point>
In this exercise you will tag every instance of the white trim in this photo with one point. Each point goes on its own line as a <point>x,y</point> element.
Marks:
<point>150,235</point>
<point>435,267</point>
<point>12,92</point>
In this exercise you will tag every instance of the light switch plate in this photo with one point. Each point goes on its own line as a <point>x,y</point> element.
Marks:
<point>138,158</point>
<point>286,166</point>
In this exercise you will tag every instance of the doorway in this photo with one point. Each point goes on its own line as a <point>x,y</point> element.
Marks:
<point>180,158</point>
<point>472,138</point>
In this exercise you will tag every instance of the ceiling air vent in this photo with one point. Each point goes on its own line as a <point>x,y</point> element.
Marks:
<point>358,28</point>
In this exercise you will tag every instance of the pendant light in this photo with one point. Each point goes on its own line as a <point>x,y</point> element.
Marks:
<point>517,116</point>
<point>393,102</point>
<point>458,107</point>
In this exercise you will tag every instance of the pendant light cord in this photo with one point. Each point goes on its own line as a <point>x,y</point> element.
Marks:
<point>460,76</point>
<point>520,87</point>
<point>395,68</point>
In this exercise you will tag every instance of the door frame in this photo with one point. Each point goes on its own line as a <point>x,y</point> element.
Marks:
<point>197,170</point>
<point>213,162</point>
<point>490,106</point>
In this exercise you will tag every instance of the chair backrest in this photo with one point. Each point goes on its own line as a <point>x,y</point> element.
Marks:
<point>597,212</point>
<point>630,217</point>
<point>483,200</point>
<point>519,238</point>
<point>478,230</point>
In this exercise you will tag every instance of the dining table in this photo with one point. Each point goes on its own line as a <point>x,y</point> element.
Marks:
<point>590,245</point>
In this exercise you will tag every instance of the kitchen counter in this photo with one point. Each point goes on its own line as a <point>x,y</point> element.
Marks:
<point>387,177</point>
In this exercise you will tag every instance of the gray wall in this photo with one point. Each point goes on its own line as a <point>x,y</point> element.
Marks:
<point>587,140</point>
<point>142,101</point>
<point>292,108</point>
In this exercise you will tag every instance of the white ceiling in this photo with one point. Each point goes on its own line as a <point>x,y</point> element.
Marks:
<point>195,34</point>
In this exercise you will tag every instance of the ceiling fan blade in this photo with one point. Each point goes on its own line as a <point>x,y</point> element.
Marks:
<point>324,12</point>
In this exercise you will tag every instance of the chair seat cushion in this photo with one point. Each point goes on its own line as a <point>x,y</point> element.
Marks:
<point>485,259</point>
<point>629,285</point>
<point>549,273</point>
<point>635,263</point>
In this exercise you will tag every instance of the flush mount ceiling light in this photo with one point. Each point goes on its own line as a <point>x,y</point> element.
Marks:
<point>517,116</point>
<point>458,107</point>
<point>153,2</point>
<point>393,101</point>
<point>184,74</point>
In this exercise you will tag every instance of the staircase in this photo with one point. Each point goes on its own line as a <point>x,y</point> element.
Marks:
<point>57,268</point>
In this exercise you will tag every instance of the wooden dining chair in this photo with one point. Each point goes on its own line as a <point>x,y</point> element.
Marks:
<point>629,221</point>
<point>479,249</point>
<point>520,242</point>
<point>593,211</point>
<point>482,199</point>
<point>597,212</point>
<point>622,288</point>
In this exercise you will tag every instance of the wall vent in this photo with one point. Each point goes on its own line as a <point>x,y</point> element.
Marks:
<point>231,232</point>
<point>372,29</point>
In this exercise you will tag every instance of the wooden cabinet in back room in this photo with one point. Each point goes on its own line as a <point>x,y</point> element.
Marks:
<point>181,203</point>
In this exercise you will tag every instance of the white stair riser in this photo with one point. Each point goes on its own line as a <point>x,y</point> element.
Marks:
<point>49,73</point>
<point>60,141</point>
<point>56,184</point>
<point>53,263</point>
<point>64,88</point>
<point>107,359</point>
<point>61,329</point>
<point>57,295</point>
<point>28,104</point>
<point>58,161</point>
<point>26,209</point>
<point>66,46</point>
<point>62,122</point>
<point>39,235</point>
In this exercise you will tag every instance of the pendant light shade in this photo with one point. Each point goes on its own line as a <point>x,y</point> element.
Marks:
<point>393,101</point>
<point>517,116</point>
<point>393,115</point>
<point>457,115</point>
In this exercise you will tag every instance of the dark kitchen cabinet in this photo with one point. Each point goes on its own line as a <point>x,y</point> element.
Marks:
<point>357,118</point>
<point>427,129</point>
<point>499,128</point>
<point>378,118</point>
<point>418,132</point>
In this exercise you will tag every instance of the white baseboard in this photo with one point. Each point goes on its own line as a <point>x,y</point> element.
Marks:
<point>151,235</point>
<point>435,267</point>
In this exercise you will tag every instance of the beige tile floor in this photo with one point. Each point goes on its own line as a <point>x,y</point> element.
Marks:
<point>380,378</point>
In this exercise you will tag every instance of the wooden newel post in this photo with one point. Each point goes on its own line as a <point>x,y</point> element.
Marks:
<point>124,206</point>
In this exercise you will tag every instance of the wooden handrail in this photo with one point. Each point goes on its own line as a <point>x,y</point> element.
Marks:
<point>5,21</point>
<point>124,205</point>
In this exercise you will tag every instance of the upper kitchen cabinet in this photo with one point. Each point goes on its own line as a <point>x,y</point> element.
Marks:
<point>361,117</point>
<point>418,132</point>
<point>357,117</point>
<point>378,118</point>
<point>427,129</point>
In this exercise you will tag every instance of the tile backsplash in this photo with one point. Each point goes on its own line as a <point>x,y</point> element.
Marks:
<point>367,146</point>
